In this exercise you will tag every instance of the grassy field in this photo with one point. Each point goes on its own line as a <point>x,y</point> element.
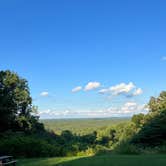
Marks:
<point>81,126</point>
<point>111,160</point>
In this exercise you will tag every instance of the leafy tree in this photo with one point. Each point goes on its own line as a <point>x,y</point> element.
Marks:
<point>158,104</point>
<point>15,103</point>
<point>138,119</point>
<point>89,138</point>
<point>112,134</point>
<point>153,131</point>
<point>67,135</point>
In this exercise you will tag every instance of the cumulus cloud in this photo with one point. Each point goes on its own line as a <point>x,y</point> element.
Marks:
<point>137,92</point>
<point>129,90</point>
<point>77,89</point>
<point>122,88</point>
<point>118,89</point>
<point>92,86</point>
<point>126,89</point>
<point>104,91</point>
<point>44,94</point>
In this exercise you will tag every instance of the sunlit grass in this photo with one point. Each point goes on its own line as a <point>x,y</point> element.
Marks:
<point>106,160</point>
<point>45,161</point>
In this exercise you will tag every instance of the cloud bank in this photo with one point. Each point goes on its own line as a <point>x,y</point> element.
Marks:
<point>126,110</point>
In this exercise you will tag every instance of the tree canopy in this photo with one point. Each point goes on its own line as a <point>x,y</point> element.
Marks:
<point>153,131</point>
<point>16,103</point>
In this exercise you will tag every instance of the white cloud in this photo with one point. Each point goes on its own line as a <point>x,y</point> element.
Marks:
<point>104,91</point>
<point>137,92</point>
<point>164,58</point>
<point>130,107</point>
<point>127,109</point>
<point>52,113</point>
<point>129,90</point>
<point>44,94</point>
<point>77,89</point>
<point>92,85</point>
<point>122,88</point>
<point>118,89</point>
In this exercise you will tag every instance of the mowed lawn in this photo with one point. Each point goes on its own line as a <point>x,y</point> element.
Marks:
<point>107,160</point>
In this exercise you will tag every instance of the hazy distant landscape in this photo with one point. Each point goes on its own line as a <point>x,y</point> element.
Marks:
<point>81,126</point>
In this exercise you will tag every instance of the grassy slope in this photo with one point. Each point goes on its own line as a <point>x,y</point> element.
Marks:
<point>114,160</point>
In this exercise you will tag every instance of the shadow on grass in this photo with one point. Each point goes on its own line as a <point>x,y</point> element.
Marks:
<point>117,160</point>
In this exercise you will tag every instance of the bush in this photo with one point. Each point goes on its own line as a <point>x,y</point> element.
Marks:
<point>126,148</point>
<point>100,150</point>
<point>27,146</point>
<point>162,149</point>
<point>88,152</point>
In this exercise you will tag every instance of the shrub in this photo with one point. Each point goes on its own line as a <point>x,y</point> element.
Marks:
<point>88,152</point>
<point>126,148</point>
<point>27,146</point>
<point>100,150</point>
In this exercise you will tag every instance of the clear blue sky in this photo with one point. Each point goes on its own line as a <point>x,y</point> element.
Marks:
<point>58,45</point>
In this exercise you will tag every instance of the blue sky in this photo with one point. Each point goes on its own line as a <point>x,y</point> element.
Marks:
<point>114,47</point>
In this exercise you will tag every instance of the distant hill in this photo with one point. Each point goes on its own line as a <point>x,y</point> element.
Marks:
<point>82,126</point>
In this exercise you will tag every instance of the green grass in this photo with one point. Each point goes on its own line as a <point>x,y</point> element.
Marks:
<point>45,161</point>
<point>107,160</point>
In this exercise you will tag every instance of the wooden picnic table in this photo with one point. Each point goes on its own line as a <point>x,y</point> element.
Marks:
<point>7,160</point>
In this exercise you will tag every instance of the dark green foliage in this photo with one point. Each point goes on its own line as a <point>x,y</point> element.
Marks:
<point>100,150</point>
<point>89,138</point>
<point>16,104</point>
<point>153,131</point>
<point>104,140</point>
<point>67,136</point>
<point>126,148</point>
<point>138,119</point>
<point>158,104</point>
<point>27,146</point>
